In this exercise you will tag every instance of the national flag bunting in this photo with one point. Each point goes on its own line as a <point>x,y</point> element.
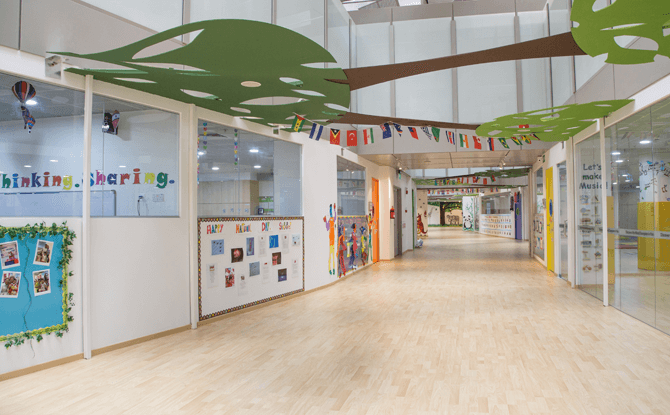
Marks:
<point>524,126</point>
<point>475,179</point>
<point>397,128</point>
<point>450,138</point>
<point>367,136</point>
<point>464,141</point>
<point>412,132</point>
<point>436,134</point>
<point>298,121</point>
<point>516,141</point>
<point>334,136</point>
<point>477,141</point>
<point>427,132</point>
<point>526,139</point>
<point>386,131</point>
<point>352,138</point>
<point>316,130</point>
<point>493,179</point>
<point>503,142</point>
<point>490,142</point>
<point>485,182</point>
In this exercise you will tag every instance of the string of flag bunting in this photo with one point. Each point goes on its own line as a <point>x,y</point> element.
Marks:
<point>463,140</point>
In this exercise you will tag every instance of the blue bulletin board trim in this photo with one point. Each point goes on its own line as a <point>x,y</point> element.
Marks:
<point>38,314</point>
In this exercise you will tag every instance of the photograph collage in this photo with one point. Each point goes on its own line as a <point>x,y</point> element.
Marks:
<point>11,283</point>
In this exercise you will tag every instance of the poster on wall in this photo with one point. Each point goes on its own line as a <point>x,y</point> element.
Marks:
<point>468,213</point>
<point>43,253</point>
<point>10,284</point>
<point>9,253</point>
<point>272,249</point>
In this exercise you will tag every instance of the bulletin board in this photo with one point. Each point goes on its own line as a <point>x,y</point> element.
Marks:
<point>248,261</point>
<point>34,299</point>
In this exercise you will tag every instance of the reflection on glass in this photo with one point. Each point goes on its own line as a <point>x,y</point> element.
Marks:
<point>265,181</point>
<point>588,213</point>
<point>561,67</point>
<point>563,219</point>
<point>350,188</point>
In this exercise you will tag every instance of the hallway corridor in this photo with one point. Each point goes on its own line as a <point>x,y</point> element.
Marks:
<point>468,324</point>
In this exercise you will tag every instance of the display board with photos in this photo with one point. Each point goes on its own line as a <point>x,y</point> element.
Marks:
<point>497,225</point>
<point>248,261</point>
<point>32,292</point>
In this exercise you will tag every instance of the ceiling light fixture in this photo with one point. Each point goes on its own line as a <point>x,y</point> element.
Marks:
<point>31,102</point>
<point>253,150</point>
<point>201,153</point>
<point>122,167</point>
<point>645,142</point>
<point>257,167</point>
<point>619,161</point>
<point>616,153</point>
<point>54,161</point>
<point>215,168</point>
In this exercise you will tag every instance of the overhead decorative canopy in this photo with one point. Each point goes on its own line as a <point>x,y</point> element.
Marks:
<point>236,67</point>
<point>608,30</point>
<point>551,124</point>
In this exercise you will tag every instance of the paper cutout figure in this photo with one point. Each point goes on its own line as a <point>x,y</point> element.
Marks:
<point>341,251</point>
<point>28,120</point>
<point>330,228</point>
<point>354,247</point>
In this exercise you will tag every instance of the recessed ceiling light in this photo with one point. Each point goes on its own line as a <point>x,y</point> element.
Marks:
<point>215,168</point>
<point>627,181</point>
<point>54,161</point>
<point>257,167</point>
<point>27,165</point>
<point>619,161</point>
<point>616,153</point>
<point>637,187</point>
<point>201,153</point>
<point>253,150</point>
<point>645,142</point>
<point>122,167</point>
<point>31,102</point>
<point>251,84</point>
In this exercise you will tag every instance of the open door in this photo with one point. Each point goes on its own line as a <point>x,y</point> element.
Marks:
<point>375,220</point>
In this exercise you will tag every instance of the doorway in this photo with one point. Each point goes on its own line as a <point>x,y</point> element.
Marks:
<point>375,220</point>
<point>563,220</point>
<point>397,222</point>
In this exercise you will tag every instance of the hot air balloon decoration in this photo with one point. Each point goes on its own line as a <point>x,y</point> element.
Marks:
<point>28,119</point>
<point>23,91</point>
<point>116,117</point>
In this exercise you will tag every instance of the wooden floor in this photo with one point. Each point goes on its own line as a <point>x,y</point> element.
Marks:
<point>466,325</point>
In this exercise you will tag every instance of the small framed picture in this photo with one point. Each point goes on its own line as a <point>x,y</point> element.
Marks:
<point>43,252</point>
<point>9,286</point>
<point>236,255</point>
<point>42,282</point>
<point>250,246</point>
<point>281,275</point>
<point>230,277</point>
<point>276,258</point>
<point>9,254</point>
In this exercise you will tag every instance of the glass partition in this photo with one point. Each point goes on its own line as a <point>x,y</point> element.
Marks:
<point>588,213</point>
<point>262,178</point>
<point>535,72</point>
<point>562,70</point>
<point>538,221</point>
<point>350,188</point>
<point>586,66</point>
<point>338,34</point>
<point>259,10</point>
<point>495,81</point>
<point>427,96</point>
<point>302,16</point>
<point>41,164</point>
<point>134,160</point>
<point>373,48</point>
<point>639,229</point>
<point>158,15</point>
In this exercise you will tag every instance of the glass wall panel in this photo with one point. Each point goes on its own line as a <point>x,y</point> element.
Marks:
<point>338,33</point>
<point>350,189</point>
<point>485,91</point>
<point>302,16</point>
<point>535,72</point>
<point>9,23</point>
<point>41,168</point>
<point>561,68</point>
<point>586,66</point>
<point>588,211</point>
<point>259,10</point>
<point>426,96</point>
<point>373,48</point>
<point>265,181</point>
<point>637,154</point>
<point>158,15</point>
<point>563,225</point>
<point>134,160</point>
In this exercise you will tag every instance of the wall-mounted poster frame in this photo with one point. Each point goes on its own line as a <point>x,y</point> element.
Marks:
<point>231,249</point>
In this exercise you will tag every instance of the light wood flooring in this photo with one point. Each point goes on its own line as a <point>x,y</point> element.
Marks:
<point>469,324</point>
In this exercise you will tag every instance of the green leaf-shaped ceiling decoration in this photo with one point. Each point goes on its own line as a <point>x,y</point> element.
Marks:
<point>223,56</point>
<point>551,124</point>
<point>598,31</point>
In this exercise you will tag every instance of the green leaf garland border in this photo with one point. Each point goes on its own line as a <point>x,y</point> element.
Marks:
<point>33,231</point>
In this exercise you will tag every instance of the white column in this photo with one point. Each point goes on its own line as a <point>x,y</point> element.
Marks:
<point>193,211</point>
<point>603,208</point>
<point>86,219</point>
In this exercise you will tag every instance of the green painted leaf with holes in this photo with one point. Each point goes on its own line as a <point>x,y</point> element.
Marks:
<point>551,124</point>
<point>211,69</point>
<point>598,31</point>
